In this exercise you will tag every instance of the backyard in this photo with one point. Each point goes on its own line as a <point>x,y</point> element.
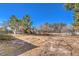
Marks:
<point>39,29</point>
<point>32,45</point>
<point>61,45</point>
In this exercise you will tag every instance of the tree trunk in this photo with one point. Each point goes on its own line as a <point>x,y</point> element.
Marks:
<point>14,32</point>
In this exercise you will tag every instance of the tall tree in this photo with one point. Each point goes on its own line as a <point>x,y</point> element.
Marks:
<point>22,25</point>
<point>13,23</point>
<point>69,6</point>
<point>26,23</point>
<point>75,8</point>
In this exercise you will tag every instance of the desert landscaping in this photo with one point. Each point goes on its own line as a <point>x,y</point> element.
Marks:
<point>51,45</point>
<point>39,29</point>
<point>39,45</point>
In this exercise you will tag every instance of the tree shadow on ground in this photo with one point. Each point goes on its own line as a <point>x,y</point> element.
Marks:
<point>14,47</point>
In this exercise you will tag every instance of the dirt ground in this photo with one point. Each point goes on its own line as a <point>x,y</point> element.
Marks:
<point>51,45</point>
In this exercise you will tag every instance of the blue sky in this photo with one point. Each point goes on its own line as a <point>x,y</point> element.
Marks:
<point>39,13</point>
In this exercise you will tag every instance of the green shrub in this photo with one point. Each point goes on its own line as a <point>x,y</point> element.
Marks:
<point>26,31</point>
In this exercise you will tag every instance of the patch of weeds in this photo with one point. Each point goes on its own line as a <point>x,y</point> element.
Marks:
<point>6,37</point>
